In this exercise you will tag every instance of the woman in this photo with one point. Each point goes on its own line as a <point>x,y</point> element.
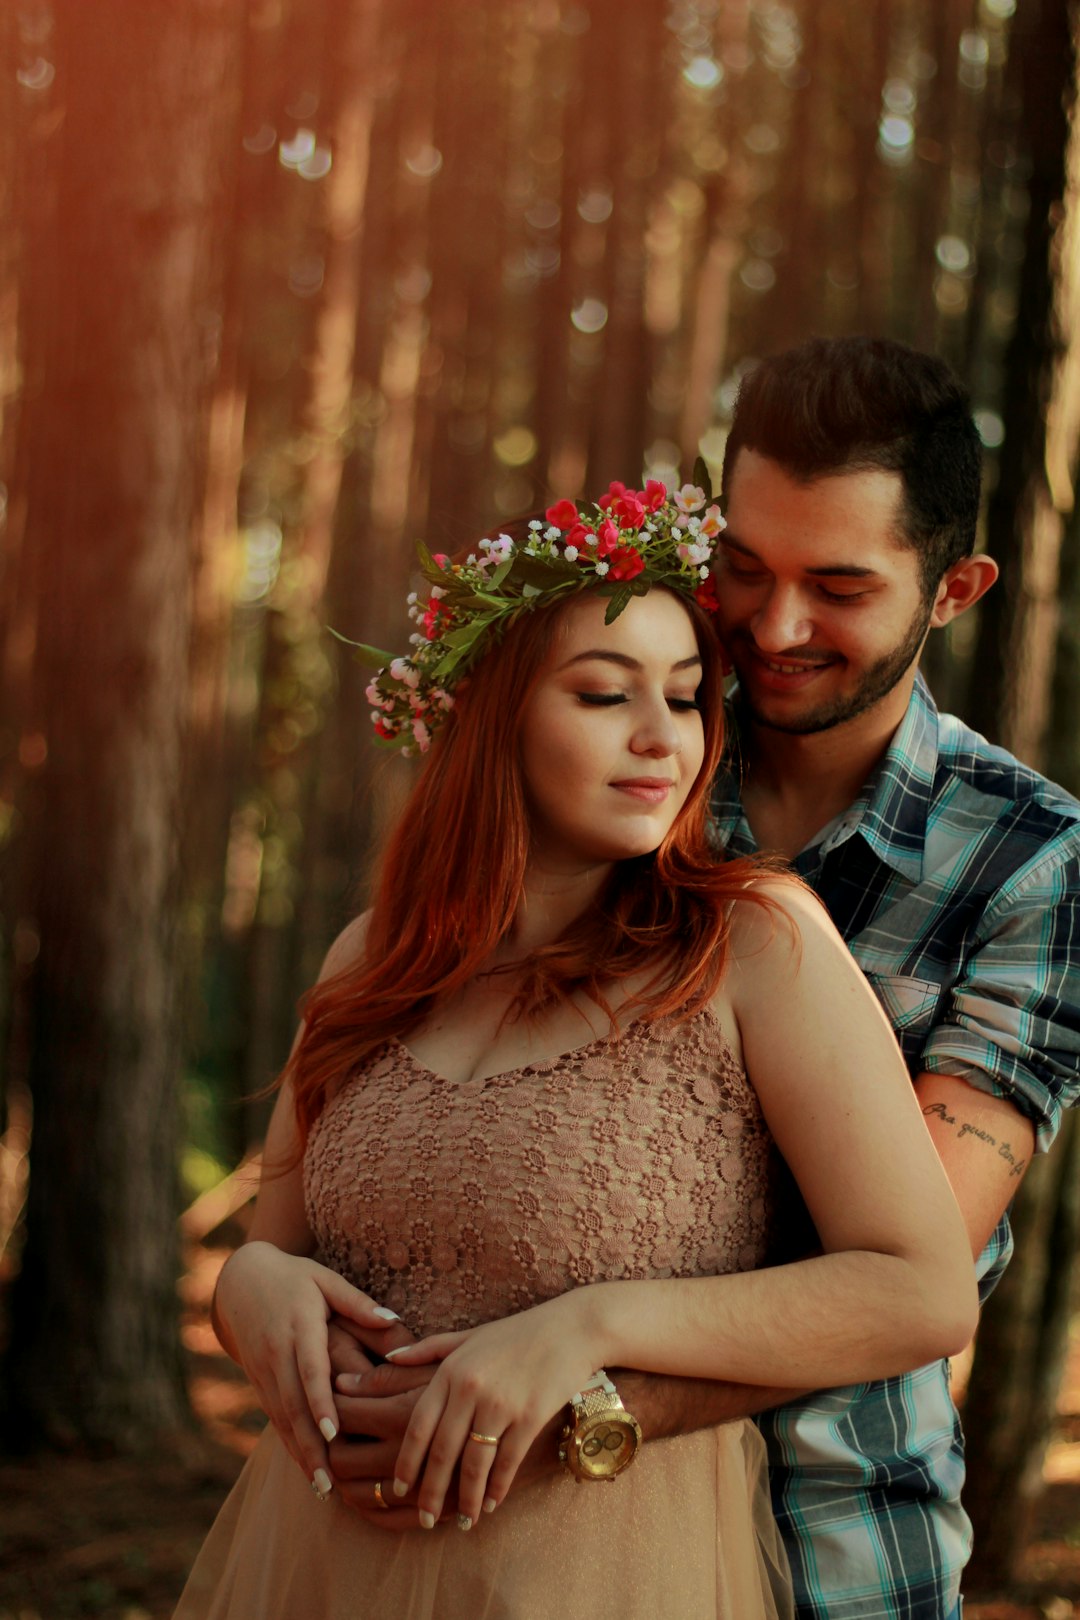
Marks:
<point>532,1111</point>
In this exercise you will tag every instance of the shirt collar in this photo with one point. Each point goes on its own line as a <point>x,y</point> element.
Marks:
<point>891,812</point>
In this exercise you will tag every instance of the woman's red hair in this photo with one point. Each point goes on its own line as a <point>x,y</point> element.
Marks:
<point>452,874</point>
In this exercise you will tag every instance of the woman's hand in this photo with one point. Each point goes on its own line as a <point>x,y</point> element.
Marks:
<point>505,1380</point>
<point>275,1309</point>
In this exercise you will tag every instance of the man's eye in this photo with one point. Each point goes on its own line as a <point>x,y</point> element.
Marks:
<point>842,596</point>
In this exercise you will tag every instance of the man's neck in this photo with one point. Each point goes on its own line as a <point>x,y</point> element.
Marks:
<point>795,785</point>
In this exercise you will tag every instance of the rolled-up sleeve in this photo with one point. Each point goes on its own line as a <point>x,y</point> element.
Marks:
<point>1012,1024</point>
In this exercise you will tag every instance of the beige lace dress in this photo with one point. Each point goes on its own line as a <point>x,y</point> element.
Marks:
<point>458,1203</point>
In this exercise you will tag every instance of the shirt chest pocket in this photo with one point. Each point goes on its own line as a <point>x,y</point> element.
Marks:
<point>911,1006</point>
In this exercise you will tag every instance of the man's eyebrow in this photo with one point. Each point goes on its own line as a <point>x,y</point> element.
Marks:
<point>832,571</point>
<point>623,660</point>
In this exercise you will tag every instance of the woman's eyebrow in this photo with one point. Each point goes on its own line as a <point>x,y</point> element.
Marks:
<point>623,660</point>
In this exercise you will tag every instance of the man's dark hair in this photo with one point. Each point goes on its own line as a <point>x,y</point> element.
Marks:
<point>839,405</point>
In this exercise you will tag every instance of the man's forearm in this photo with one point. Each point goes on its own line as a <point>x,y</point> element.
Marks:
<point>666,1406</point>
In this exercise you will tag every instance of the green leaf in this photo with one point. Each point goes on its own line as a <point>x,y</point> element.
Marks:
<point>542,572</point>
<point>701,478</point>
<point>364,653</point>
<point>618,601</point>
<point>500,574</point>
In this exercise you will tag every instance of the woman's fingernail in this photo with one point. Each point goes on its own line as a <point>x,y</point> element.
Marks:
<point>490,1504</point>
<point>400,1488</point>
<point>387,1316</point>
<point>427,1520</point>
<point>464,1522</point>
<point>322,1482</point>
<point>347,1381</point>
<point>327,1429</point>
<point>390,1354</point>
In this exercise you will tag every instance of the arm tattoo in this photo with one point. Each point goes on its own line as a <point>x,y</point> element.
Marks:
<point>966,1129</point>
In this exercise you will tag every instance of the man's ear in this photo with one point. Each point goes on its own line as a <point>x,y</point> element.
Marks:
<point>961,586</point>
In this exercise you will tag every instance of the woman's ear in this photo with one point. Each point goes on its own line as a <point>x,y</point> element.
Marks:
<point>961,587</point>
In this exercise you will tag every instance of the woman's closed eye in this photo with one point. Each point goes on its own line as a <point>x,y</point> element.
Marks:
<point>681,705</point>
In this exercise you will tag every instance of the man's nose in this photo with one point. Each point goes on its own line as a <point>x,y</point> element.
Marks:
<point>781,621</point>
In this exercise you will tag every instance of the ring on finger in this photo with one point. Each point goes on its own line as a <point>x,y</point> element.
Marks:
<point>484,1439</point>
<point>379,1501</point>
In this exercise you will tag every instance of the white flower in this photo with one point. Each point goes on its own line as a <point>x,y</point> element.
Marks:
<point>417,640</point>
<point>590,538</point>
<point>704,571</point>
<point>602,567</point>
<point>471,559</point>
<point>571,553</point>
<point>485,544</point>
<point>552,534</point>
<point>411,599</point>
<point>437,593</point>
<point>399,667</point>
<point>535,524</point>
<point>689,498</point>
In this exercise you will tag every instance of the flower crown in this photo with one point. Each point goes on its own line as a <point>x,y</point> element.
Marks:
<point>627,543</point>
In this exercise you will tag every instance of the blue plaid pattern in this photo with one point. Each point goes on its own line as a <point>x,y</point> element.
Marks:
<point>955,880</point>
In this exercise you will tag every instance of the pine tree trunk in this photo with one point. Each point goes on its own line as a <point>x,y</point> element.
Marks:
<point>116,437</point>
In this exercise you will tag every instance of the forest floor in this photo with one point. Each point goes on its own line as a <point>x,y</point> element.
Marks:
<point>113,1538</point>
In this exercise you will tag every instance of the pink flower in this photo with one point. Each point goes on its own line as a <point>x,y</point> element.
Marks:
<point>654,494</point>
<point>607,537</point>
<point>430,621</point>
<point>441,560</point>
<point>630,512</point>
<point>713,522</point>
<point>564,514</point>
<point>689,498</point>
<point>626,563</point>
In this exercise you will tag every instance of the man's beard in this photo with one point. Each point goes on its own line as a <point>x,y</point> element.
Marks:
<point>877,682</point>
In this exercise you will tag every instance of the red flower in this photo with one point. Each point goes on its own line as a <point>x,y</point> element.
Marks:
<point>564,514</point>
<point>630,512</point>
<point>705,595</point>
<point>441,560</point>
<point>578,536</point>
<point>607,537</point>
<point>654,494</point>
<point>626,563</point>
<point>614,492</point>
<point>435,609</point>
<point>384,730</point>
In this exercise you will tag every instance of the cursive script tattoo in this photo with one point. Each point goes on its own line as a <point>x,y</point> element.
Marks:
<point>966,1129</point>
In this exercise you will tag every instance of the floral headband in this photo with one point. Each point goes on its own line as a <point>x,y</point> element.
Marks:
<point>629,542</point>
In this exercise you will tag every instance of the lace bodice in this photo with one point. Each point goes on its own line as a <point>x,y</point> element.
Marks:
<point>457,1203</point>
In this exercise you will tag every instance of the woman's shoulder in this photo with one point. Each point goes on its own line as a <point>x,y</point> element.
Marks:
<point>774,925</point>
<point>347,949</point>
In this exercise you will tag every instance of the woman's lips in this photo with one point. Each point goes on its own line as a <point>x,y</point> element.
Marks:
<point>653,789</point>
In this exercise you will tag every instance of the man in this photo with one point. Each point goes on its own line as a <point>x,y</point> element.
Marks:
<point>852,485</point>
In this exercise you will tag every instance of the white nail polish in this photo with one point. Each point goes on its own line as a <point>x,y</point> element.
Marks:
<point>427,1520</point>
<point>327,1429</point>
<point>400,1488</point>
<point>390,1354</point>
<point>387,1315</point>
<point>464,1522</point>
<point>490,1504</point>
<point>322,1482</point>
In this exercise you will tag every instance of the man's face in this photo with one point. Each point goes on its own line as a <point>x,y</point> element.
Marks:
<point>821,608</point>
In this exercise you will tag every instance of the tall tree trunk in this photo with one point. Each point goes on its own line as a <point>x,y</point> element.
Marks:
<point>1010,690</point>
<point>116,438</point>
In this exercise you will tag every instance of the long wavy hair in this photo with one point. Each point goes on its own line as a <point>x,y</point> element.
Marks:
<point>451,878</point>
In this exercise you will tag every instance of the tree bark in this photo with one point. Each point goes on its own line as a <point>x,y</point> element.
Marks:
<point>114,473</point>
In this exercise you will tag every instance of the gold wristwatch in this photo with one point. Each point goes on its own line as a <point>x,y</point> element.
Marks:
<point>599,1437</point>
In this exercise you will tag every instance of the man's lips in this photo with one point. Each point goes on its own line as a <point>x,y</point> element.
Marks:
<point>784,674</point>
<point>653,789</point>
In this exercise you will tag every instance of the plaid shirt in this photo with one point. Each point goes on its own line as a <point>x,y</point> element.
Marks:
<point>955,880</point>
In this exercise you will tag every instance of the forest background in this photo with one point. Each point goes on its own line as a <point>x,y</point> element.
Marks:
<point>288,284</point>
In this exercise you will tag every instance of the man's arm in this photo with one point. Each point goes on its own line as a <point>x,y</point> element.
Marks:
<point>985,1144</point>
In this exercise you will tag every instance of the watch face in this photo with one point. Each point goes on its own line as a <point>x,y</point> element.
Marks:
<point>606,1448</point>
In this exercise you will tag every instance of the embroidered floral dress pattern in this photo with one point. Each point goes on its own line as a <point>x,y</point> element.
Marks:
<point>457,1203</point>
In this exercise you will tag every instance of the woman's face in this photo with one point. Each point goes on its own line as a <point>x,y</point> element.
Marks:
<point>611,738</point>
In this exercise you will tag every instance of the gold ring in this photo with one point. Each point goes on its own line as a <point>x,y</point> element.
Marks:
<point>379,1497</point>
<point>484,1439</point>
